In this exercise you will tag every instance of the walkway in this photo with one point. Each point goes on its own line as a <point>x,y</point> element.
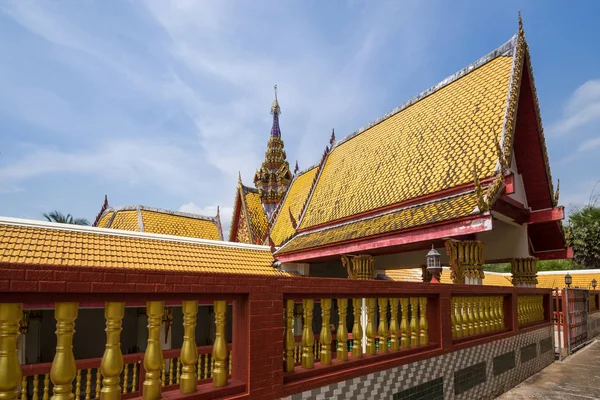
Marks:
<point>576,378</point>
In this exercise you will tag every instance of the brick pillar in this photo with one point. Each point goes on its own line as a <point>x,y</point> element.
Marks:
<point>466,261</point>
<point>524,272</point>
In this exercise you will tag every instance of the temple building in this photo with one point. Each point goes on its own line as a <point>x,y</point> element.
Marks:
<point>412,205</point>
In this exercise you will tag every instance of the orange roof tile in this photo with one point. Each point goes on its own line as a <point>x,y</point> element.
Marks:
<point>42,243</point>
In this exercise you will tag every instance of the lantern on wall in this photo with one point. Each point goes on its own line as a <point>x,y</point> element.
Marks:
<point>594,283</point>
<point>568,280</point>
<point>434,265</point>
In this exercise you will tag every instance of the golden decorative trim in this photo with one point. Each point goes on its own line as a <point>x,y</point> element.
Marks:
<point>112,360</point>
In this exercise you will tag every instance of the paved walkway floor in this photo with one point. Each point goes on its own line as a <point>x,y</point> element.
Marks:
<point>576,378</point>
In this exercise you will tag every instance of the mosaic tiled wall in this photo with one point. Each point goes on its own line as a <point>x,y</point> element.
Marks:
<point>593,325</point>
<point>479,372</point>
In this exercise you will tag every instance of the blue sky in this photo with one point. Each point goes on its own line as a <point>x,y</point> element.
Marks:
<point>161,103</point>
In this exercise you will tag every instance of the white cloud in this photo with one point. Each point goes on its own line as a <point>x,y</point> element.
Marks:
<point>581,110</point>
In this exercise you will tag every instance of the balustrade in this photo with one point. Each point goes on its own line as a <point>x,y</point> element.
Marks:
<point>382,333</point>
<point>530,309</point>
<point>476,315</point>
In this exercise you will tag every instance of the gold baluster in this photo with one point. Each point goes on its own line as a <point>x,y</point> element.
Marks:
<point>404,336</point>
<point>189,350</point>
<point>199,367</point>
<point>230,363</point>
<point>35,387</point>
<point>371,330</point>
<point>78,385</point>
<point>342,331</point>
<point>383,328</point>
<point>178,371</point>
<point>10,377</point>
<point>325,334</point>
<point>125,377</point>
<point>316,351</point>
<point>394,342</point>
<point>288,338</point>
<point>134,378</point>
<point>220,349</point>
<point>112,360</point>
<point>423,324</point>
<point>153,356</point>
<point>357,331</point>
<point>206,369</point>
<point>501,313</point>
<point>468,315</point>
<point>308,338</point>
<point>24,388</point>
<point>45,396</point>
<point>63,369</point>
<point>476,322</point>
<point>482,314</point>
<point>414,325</point>
<point>98,382</point>
<point>453,317</point>
<point>459,313</point>
<point>492,312</point>
<point>88,384</point>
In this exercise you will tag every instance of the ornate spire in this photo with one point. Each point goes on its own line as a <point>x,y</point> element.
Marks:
<point>520,22</point>
<point>332,139</point>
<point>296,168</point>
<point>102,209</point>
<point>275,111</point>
<point>273,177</point>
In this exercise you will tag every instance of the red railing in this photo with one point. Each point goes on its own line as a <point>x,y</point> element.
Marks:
<point>258,303</point>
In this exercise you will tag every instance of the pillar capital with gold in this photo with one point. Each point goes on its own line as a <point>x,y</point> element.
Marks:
<point>466,261</point>
<point>524,271</point>
<point>361,267</point>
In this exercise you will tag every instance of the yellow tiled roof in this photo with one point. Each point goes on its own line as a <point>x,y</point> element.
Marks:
<point>125,221</point>
<point>294,201</point>
<point>160,221</point>
<point>581,279</point>
<point>442,210</point>
<point>256,215</point>
<point>426,147</point>
<point>31,242</point>
<point>492,279</point>
<point>416,275</point>
<point>177,225</point>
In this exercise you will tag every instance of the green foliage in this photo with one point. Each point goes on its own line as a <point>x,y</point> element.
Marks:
<point>557,265</point>
<point>57,216</point>
<point>502,267</point>
<point>584,229</point>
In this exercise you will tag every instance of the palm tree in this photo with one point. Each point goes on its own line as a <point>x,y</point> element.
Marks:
<point>57,216</point>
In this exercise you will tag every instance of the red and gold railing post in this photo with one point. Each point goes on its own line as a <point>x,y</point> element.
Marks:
<point>189,350</point>
<point>383,327</point>
<point>112,361</point>
<point>220,350</point>
<point>153,356</point>
<point>10,375</point>
<point>371,330</point>
<point>63,368</point>
<point>394,342</point>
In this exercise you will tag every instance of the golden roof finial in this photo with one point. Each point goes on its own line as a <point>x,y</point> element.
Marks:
<point>556,193</point>
<point>275,107</point>
<point>521,30</point>
<point>239,178</point>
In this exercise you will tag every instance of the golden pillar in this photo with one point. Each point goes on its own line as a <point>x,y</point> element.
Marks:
<point>524,271</point>
<point>63,369</point>
<point>189,350</point>
<point>288,338</point>
<point>394,342</point>
<point>360,267</point>
<point>371,330</point>
<point>423,324</point>
<point>153,357</point>
<point>466,261</point>
<point>404,336</point>
<point>220,350</point>
<point>325,335</point>
<point>357,331</point>
<point>342,331</point>
<point>476,322</point>
<point>10,377</point>
<point>112,360</point>
<point>383,328</point>
<point>453,317</point>
<point>308,337</point>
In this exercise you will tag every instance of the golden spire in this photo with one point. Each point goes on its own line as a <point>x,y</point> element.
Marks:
<point>275,107</point>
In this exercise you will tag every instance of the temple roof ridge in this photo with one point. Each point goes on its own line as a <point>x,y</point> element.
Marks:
<point>160,210</point>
